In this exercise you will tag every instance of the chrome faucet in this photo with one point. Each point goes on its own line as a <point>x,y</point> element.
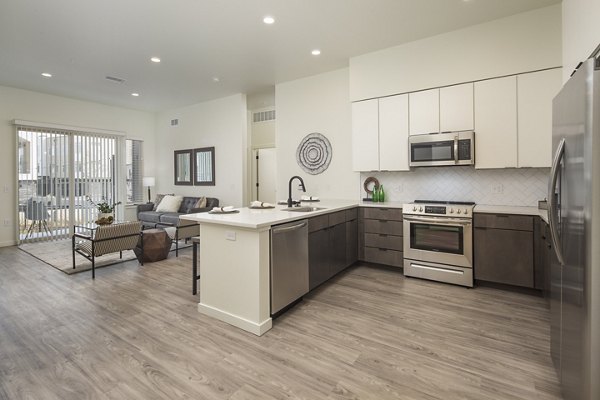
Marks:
<point>289,200</point>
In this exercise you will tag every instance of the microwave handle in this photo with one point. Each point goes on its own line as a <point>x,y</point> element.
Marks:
<point>456,149</point>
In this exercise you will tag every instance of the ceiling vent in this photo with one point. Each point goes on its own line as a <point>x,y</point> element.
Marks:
<point>115,79</point>
<point>263,116</point>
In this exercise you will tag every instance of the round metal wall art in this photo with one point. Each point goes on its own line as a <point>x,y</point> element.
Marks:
<point>314,153</point>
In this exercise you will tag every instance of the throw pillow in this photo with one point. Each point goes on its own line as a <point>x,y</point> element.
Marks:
<point>159,198</point>
<point>169,203</point>
<point>201,202</point>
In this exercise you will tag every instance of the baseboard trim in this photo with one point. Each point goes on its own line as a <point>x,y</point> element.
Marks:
<point>8,243</point>
<point>249,326</point>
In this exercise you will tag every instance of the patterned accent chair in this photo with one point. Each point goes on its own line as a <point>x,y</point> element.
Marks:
<point>107,239</point>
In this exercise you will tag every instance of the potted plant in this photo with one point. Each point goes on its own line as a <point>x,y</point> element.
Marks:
<point>106,211</point>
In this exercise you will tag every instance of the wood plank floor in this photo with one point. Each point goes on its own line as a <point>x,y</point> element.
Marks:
<point>135,333</point>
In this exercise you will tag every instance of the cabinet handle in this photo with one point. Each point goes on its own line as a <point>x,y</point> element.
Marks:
<point>383,209</point>
<point>382,249</point>
<point>383,235</point>
<point>382,221</point>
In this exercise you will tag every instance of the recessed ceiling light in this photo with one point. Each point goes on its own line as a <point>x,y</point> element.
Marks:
<point>315,52</point>
<point>269,20</point>
<point>46,74</point>
<point>155,59</point>
<point>216,79</point>
<point>135,94</point>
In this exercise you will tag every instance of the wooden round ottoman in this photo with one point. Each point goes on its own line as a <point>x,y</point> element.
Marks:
<point>157,245</point>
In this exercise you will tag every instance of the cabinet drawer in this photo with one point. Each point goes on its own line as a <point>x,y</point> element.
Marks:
<point>391,214</point>
<point>383,226</point>
<point>351,214</point>
<point>504,221</point>
<point>384,256</point>
<point>384,241</point>
<point>337,218</point>
<point>318,223</point>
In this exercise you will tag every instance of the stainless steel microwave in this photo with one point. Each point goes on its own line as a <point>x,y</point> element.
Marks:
<point>436,149</point>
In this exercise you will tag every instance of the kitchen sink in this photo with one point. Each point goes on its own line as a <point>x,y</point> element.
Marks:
<point>303,209</point>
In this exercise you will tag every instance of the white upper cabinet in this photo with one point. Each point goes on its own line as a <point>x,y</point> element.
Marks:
<point>424,111</point>
<point>393,133</point>
<point>535,93</point>
<point>456,108</point>
<point>365,135</point>
<point>496,123</point>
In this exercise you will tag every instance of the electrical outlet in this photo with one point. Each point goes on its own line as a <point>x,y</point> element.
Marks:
<point>6,222</point>
<point>6,189</point>
<point>230,235</point>
<point>400,188</point>
<point>497,188</point>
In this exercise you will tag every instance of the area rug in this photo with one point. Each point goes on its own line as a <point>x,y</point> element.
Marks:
<point>58,254</point>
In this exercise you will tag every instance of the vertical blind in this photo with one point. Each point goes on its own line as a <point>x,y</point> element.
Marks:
<point>59,172</point>
<point>134,172</point>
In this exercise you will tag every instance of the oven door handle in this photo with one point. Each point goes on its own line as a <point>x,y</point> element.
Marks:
<point>441,221</point>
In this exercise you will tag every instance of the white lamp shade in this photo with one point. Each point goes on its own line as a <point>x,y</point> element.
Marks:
<point>149,181</point>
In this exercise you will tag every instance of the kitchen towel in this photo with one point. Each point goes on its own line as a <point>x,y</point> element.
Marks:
<point>261,204</point>
<point>309,198</point>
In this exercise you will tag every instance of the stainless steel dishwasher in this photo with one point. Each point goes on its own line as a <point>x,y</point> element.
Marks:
<point>289,263</point>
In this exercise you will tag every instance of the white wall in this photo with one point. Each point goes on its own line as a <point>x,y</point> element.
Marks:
<point>44,108</point>
<point>581,32</point>
<point>221,123</point>
<point>520,43</point>
<point>316,104</point>
<point>263,134</point>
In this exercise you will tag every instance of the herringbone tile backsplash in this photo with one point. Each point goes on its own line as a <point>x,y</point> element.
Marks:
<point>507,187</point>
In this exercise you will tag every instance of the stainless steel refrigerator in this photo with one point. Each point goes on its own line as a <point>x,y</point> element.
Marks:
<point>574,215</point>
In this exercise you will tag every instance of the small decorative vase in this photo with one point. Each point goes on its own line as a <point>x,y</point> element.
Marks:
<point>105,218</point>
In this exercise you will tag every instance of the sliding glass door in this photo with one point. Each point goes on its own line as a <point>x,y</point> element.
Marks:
<point>58,172</point>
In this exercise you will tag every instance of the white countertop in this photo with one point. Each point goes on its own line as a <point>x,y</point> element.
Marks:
<point>252,218</point>
<point>263,218</point>
<point>516,210</point>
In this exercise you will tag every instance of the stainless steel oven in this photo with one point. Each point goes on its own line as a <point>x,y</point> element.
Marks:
<point>438,242</point>
<point>436,149</point>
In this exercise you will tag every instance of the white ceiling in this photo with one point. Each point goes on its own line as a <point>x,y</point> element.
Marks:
<point>80,42</point>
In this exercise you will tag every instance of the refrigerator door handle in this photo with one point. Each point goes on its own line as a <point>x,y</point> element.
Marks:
<point>552,211</point>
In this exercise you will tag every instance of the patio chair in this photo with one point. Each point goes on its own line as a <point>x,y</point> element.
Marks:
<point>107,239</point>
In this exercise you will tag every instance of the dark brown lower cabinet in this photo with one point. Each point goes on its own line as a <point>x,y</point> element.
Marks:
<point>332,245</point>
<point>318,257</point>
<point>337,240</point>
<point>351,241</point>
<point>380,236</point>
<point>504,255</point>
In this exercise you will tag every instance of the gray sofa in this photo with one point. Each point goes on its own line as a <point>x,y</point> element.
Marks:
<point>186,229</point>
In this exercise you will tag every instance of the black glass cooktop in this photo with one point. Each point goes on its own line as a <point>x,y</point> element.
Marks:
<point>472,203</point>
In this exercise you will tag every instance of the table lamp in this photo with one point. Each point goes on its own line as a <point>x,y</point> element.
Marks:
<point>149,181</point>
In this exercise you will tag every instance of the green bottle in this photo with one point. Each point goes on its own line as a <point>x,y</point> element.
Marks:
<point>376,194</point>
<point>381,194</point>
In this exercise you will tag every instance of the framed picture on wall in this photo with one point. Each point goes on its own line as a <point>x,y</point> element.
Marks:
<point>183,167</point>
<point>204,166</point>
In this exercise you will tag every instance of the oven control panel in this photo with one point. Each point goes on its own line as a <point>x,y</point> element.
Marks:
<point>435,210</point>
<point>453,210</point>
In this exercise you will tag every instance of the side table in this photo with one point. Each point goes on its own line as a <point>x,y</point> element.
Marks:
<point>157,245</point>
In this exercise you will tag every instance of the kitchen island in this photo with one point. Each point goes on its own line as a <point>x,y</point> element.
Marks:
<point>235,261</point>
